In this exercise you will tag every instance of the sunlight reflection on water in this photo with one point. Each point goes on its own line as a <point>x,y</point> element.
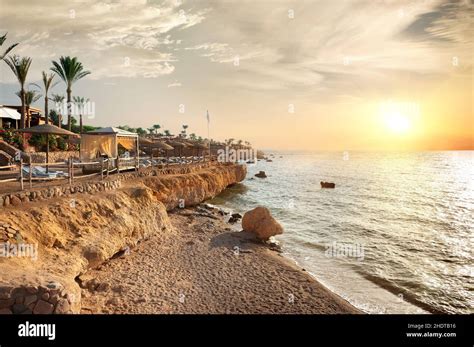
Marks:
<point>412,212</point>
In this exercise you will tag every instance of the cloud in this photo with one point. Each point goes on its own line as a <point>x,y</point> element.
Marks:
<point>174,84</point>
<point>341,44</point>
<point>345,46</point>
<point>111,38</point>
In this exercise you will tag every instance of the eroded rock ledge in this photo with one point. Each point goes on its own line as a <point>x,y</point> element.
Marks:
<point>80,230</point>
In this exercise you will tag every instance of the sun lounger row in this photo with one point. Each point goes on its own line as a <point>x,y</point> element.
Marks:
<point>41,172</point>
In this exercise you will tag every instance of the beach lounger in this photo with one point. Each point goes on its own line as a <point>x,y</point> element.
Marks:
<point>38,173</point>
<point>42,170</point>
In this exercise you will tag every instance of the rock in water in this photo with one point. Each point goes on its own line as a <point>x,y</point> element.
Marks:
<point>328,185</point>
<point>260,222</point>
<point>261,174</point>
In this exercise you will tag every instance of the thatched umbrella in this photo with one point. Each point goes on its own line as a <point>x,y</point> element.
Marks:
<point>177,144</point>
<point>47,129</point>
<point>200,147</point>
<point>145,141</point>
<point>163,146</point>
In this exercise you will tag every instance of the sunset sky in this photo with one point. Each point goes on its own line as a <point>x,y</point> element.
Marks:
<point>315,75</point>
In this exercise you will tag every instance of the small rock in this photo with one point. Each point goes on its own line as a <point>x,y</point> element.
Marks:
<point>113,301</point>
<point>62,307</point>
<point>243,250</point>
<point>43,307</point>
<point>32,290</point>
<point>232,220</point>
<point>261,174</point>
<point>30,299</point>
<point>118,289</point>
<point>4,303</point>
<point>54,299</point>
<point>15,201</point>
<point>92,284</point>
<point>103,287</point>
<point>19,308</point>
<point>53,285</point>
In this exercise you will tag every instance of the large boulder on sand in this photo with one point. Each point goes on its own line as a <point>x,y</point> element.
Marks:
<point>260,222</point>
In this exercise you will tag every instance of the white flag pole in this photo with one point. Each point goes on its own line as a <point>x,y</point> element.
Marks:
<point>208,136</point>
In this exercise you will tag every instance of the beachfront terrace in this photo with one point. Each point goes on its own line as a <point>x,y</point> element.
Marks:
<point>20,180</point>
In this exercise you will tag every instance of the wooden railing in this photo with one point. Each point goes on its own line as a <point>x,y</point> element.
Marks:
<point>104,168</point>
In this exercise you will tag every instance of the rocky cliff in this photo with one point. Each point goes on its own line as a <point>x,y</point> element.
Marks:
<point>47,244</point>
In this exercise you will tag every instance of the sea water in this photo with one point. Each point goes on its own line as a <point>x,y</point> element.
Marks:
<point>395,235</point>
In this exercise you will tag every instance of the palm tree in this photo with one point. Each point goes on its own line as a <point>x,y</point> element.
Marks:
<point>70,70</point>
<point>47,85</point>
<point>156,127</point>
<point>2,40</point>
<point>151,130</point>
<point>167,133</point>
<point>140,131</point>
<point>58,100</point>
<point>20,67</point>
<point>193,136</point>
<point>31,96</point>
<point>80,103</point>
<point>184,129</point>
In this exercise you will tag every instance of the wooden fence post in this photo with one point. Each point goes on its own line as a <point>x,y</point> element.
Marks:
<point>72,171</point>
<point>31,175</point>
<point>69,169</point>
<point>101,168</point>
<point>108,166</point>
<point>21,173</point>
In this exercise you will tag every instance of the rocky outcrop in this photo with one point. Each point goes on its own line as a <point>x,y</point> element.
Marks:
<point>261,174</point>
<point>260,222</point>
<point>66,235</point>
<point>189,190</point>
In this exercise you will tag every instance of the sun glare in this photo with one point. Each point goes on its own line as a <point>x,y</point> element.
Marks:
<point>397,123</point>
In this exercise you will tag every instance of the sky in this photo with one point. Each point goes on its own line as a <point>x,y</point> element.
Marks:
<point>310,75</point>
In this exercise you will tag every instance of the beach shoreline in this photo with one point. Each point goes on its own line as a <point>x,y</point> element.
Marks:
<point>205,266</point>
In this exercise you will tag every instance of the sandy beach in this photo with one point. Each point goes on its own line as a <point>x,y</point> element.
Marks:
<point>204,265</point>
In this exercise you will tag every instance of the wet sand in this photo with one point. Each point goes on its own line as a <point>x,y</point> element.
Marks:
<point>205,266</point>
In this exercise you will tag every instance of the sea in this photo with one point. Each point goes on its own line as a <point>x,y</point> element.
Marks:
<point>395,235</point>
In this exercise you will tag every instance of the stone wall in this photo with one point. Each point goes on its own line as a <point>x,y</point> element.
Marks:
<point>44,299</point>
<point>39,194</point>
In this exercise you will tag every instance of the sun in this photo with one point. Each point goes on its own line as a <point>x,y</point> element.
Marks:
<point>397,122</point>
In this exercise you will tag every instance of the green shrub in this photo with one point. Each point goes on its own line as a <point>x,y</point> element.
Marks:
<point>39,142</point>
<point>12,138</point>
